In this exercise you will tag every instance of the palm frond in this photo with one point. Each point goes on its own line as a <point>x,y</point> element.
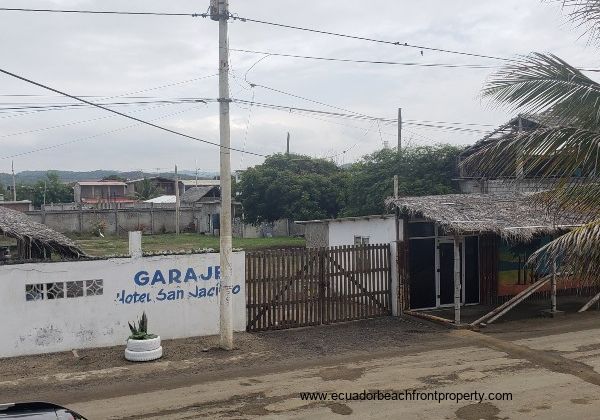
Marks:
<point>544,82</point>
<point>575,254</point>
<point>585,14</point>
<point>581,198</point>
<point>563,153</point>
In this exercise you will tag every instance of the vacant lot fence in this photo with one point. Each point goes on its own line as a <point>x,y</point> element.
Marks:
<point>299,287</point>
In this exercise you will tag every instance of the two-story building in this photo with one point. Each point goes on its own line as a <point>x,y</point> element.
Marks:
<point>95,192</point>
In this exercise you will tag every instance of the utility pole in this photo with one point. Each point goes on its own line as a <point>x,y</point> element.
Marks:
<point>287,149</point>
<point>399,130</point>
<point>12,165</point>
<point>219,10</point>
<point>176,202</point>
<point>196,165</point>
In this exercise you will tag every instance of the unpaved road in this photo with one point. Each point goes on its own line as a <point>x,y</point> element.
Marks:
<point>551,367</point>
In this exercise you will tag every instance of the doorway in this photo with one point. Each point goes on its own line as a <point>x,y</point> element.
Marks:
<point>445,271</point>
<point>468,248</point>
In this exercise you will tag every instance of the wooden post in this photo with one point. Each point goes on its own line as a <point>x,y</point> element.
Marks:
<point>457,282</point>
<point>590,303</point>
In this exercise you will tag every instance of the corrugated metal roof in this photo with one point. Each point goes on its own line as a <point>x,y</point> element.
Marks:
<point>112,183</point>
<point>201,182</point>
<point>196,193</point>
<point>162,199</point>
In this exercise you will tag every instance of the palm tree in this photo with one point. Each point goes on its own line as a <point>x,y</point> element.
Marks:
<point>146,190</point>
<point>566,149</point>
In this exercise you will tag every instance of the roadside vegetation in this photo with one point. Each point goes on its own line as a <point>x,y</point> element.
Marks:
<point>299,187</point>
<point>117,245</point>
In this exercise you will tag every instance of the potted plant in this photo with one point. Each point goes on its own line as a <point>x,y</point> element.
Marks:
<point>141,346</point>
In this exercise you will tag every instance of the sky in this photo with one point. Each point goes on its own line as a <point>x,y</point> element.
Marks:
<point>129,58</point>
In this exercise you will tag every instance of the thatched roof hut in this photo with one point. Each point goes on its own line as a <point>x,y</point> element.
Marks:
<point>35,240</point>
<point>513,217</point>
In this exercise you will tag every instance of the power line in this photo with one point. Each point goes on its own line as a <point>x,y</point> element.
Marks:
<point>102,12</point>
<point>81,139</point>
<point>168,130</point>
<point>21,113</point>
<point>366,116</point>
<point>448,122</point>
<point>357,116</point>
<point>51,107</point>
<point>362,38</point>
<point>264,22</point>
<point>349,60</point>
<point>71,123</point>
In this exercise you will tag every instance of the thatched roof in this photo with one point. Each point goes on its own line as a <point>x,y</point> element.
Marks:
<point>19,226</point>
<point>510,216</point>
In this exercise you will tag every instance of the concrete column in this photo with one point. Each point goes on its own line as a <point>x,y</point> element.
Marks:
<point>135,244</point>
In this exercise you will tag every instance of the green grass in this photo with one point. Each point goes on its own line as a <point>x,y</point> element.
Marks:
<point>112,245</point>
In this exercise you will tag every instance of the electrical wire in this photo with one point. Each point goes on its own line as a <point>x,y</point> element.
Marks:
<point>362,38</point>
<point>21,113</point>
<point>355,116</point>
<point>168,130</point>
<point>52,107</point>
<point>81,139</point>
<point>349,60</point>
<point>102,12</point>
<point>236,17</point>
<point>71,123</point>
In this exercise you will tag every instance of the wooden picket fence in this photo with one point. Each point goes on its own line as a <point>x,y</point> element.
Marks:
<point>298,287</point>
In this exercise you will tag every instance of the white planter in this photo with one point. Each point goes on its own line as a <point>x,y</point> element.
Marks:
<point>143,350</point>
<point>143,356</point>
<point>143,345</point>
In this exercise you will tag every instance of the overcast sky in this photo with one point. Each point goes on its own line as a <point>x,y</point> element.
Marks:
<point>111,56</point>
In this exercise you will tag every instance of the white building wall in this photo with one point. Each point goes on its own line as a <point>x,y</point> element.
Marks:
<point>114,292</point>
<point>378,230</point>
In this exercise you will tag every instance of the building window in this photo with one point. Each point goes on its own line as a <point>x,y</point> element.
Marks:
<point>361,240</point>
<point>34,292</point>
<point>55,290</point>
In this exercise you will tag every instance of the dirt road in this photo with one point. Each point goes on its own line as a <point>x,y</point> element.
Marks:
<point>550,367</point>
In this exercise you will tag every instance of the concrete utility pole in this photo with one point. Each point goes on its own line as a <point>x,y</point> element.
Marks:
<point>287,149</point>
<point>219,10</point>
<point>399,130</point>
<point>176,202</point>
<point>12,165</point>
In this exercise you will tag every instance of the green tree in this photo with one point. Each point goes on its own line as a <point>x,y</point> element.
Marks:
<point>423,170</point>
<point>146,189</point>
<point>114,177</point>
<point>565,150</point>
<point>296,187</point>
<point>50,190</point>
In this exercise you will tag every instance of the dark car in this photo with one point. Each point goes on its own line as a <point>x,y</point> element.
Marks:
<point>37,411</point>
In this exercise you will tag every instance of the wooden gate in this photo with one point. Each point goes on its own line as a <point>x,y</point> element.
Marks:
<point>298,287</point>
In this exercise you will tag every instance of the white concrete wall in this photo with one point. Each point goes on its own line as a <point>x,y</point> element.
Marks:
<point>179,294</point>
<point>379,231</point>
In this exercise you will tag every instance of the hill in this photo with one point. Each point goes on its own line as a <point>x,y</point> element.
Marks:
<point>30,177</point>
